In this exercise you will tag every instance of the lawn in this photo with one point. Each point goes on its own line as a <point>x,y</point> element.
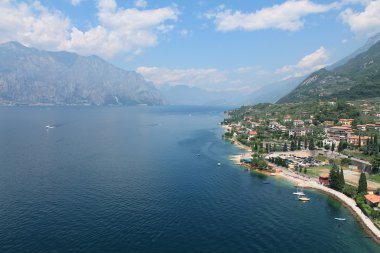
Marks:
<point>316,171</point>
<point>358,154</point>
<point>374,177</point>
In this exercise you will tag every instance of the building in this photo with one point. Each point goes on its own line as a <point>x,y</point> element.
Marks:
<point>298,123</point>
<point>328,123</point>
<point>274,125</point>
<point>338,132</point>
<point>330,142</point>
<point>299,131</point>
<point>324,179</point>
<point>288,118</point>
<point>354,140</point>
<point>372,200</point>
<point>346,122</point>
<point>366,111</point>
<point>252,134</point>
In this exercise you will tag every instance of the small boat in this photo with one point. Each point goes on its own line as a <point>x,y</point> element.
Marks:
<point>49,127</point>
<point>342,219</point>
<point>303,198</point>
<point>219,164</point>
<point>299,193</point>
<point>198,154</point>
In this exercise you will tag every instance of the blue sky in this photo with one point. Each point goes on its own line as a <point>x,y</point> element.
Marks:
<point>217,45</point>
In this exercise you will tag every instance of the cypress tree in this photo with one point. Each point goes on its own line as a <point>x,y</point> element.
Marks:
<point>285,148</point>
<point>293,145</point>
<point>311,145</point>
<point>305,143</point>
<point>342,182</point>
<point>334,178</point>
<point>360,141</point>
<point>299,144</point>
<point>362,188</point>
<point>333,147</point>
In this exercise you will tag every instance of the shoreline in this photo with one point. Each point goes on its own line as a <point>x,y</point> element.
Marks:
<point>366,223</point>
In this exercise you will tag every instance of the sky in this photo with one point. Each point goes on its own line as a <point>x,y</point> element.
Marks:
<point>216,45</point>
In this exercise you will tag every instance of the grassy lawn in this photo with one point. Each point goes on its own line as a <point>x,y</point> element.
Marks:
<point>316,171</point>
<point>375,178</point>
<point>358,154</point>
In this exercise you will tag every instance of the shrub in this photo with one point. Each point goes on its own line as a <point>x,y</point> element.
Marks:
<point>350,190</point>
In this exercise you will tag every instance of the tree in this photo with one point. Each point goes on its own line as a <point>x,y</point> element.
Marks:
<point>334,177</point>
<point>311,144</point>
<point>342,182</point>
<point>305,143</point>
<point>376,164</point>
<point>345,162</point>
<point>285,148</point>
<point>293,145</point>
<point>332,146</point>
<point>299,144</point>
<point>362,188</point>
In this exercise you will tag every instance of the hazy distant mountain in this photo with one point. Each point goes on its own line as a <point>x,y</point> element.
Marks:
<point>371,41</point>
<point>270,93</point>
<point>186,95</point>
<point>359,78</point>
<point>31,76</point>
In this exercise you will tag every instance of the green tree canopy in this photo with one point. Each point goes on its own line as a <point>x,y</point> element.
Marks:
<point>362,188</point>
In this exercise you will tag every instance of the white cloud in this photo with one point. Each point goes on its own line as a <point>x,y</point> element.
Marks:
<point>365,23</point>
<point>191,77</point>
<point>287,16</point>
<point>309,63</point>
<point>185,33</point>
<point>32,24</point>
<point>76,2</point>
<point>141,3</point>
<point>119,30</point>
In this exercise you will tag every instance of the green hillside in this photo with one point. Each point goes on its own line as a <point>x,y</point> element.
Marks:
<point>357,79</point>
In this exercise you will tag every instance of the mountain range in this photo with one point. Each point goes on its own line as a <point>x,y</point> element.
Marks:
<point>355,77</point>
<point>33,77</point>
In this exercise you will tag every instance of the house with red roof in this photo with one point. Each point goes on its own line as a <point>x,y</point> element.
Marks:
<point>372,200</point>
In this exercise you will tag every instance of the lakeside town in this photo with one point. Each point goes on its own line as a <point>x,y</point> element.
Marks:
<point>330,146</point>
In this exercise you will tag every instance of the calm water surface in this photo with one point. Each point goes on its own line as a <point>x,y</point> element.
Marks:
<point>129,180</point>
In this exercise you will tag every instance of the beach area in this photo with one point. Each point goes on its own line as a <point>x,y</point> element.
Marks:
<point>300,180</point>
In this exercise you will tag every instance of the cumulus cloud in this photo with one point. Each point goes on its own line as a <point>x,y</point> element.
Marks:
<point>287,16</point>
<point>141,3</point>
<point>76,2</point>
<point>365,23</point>
<point>309,63</point>
<point>119,30</point>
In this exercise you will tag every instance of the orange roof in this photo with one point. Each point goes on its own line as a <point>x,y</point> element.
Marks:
<point>357,137</point>
<point>372,198</point>
<point>253,133</point>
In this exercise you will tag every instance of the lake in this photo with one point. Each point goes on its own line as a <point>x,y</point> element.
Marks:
<point>146,179</point>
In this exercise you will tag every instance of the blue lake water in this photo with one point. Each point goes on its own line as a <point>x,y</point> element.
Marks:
<point>128,179</point>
